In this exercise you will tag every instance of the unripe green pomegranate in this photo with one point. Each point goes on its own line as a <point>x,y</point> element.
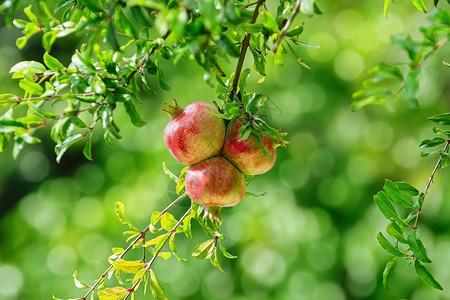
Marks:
<point>215,183</point>
<point>247,155</point>
<point>193,133</point>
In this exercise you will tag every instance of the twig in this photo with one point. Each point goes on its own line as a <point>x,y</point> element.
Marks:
<point>425,192</point>
<point>18,100</point>
<point>150,263</point>
<point>287,25</point>
<point>241,59</point>
<point>141,236</point>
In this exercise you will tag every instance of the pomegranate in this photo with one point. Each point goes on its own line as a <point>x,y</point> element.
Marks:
<point>215,183</point>
<point>193,133</point>
<point>247,155</point>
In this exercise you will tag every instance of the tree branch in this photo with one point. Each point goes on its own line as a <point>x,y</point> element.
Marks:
<point>427,186</point>
<point>245,44</point>
<point>141,236</point>
<point>150,263</point>
<point>286,26</point>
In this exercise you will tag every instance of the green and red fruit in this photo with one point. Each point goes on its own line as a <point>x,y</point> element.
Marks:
<point>215,183</point>
<point>194,133</point>
<point>247,155</point>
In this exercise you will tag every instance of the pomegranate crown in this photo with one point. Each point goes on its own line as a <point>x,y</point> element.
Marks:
<point>172,110</point>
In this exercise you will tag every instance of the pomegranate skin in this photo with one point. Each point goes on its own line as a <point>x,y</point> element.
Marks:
<point>215,182</point>
<point>247,155</point>
<point>193,134</point>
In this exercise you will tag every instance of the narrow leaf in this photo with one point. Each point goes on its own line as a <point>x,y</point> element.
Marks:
<point>388,246</point>
<point>417,246</point>
<point>426,276</point>
<point>386,208</point>
<point>131,267</point>
<point>395,231</point>
<point>396,195</point>
<point>388,268</point>
<point>443,119</point>
<point>386,6</point>
<point>155,287</point>
<point>112,293</point>
<point>428,143</point>
<point>420,5</point>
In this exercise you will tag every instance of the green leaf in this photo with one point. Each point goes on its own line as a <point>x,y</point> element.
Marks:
<point>407,188</point>
<point>443,119</point>
<point>225,252</point>
<point>296,31</point>
<point>31,87</point>
<point>427,143</point>
<point>32,66</point>
<point>187,224</point>
<point>297,58</point>
<point>160,75</point>
<point>396,195</point>
<point>268,20</point>
<point>131,267</point>
<point>426,276</point>
<point>420,5</point>
<point>224,43</point>
<point>21,42</point>
<point>168,221</point>
<point>252,28</point>
<point>159,241</point>
<point>119,210</point>
<point>181,180</point>
<point>135,117</point>
<point>204,250</point>
<point>10,125</point>
<point>388,246</point>
<point>112,293</point>
<point>256,195</point>
<point>388,268</point>
<point>87,150</point>
<point>386,6</point>
<point>63,3</point>
<point>155,287</point>
<point>52,63</point>
<point>395,231</point>
<point>417,246</point>
<point>168,172</point>
<point>79,284</point>
<point>386,207</point>
<point>48,39</point>
<point>411,88</point>
<point>60,149</point>
<point>173,248</point>
<point>99,86</point>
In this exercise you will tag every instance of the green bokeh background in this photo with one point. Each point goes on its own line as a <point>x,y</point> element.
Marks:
<point>313,236</point>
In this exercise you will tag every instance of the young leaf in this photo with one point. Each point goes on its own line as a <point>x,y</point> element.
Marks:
<point>417,246</point>
<point>395,231</point>
<point>411,88</point>
<point>112,293</point>
<point>87,150</point>
<point>388,268</point>
<point>204,250</point>
<point>31,87</point>
<point>60,149</point>
<point>225,252</point>
<point>173,248</point>
<point>79,284</point>
<point>168,172</point>
<point>155,287</point>
<point>32,66</point>
<point>120,213</point>
<point>160,239</point>
<point>131,267</point>
<point>386,208</point>
<point>443,119</point>
<point>396,195</point>
<point>135,117</point>
<point>388,246</point>
<point>407,188</point>
<point>168,221</point>
<point>428,143</point>
<point>426,276</point>
<point>420,5</point>
<point>386,6</point>
<point>181,180</point>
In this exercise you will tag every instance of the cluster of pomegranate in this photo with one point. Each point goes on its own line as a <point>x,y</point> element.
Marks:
<point>195,136</point>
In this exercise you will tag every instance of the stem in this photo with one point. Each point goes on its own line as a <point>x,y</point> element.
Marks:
<point>427,186</point>
<point>286,26</point>
<point>19,100</point>
<point>241,59</point>
<point>141,236</point>
<point>150,263</point>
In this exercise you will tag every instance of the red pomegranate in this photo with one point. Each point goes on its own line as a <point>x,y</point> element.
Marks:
<point>193,133</point>
<point>247,155</point>
<point>215,183</point>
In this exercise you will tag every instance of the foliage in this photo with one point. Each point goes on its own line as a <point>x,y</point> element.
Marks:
<point>126,46</point>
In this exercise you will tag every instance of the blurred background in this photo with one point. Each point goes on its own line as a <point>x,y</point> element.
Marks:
<point>313,236</point>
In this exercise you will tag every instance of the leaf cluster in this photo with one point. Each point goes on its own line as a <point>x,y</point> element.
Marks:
<point>407,240</point>
<point>122,57</point>
<point>385,83</point>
